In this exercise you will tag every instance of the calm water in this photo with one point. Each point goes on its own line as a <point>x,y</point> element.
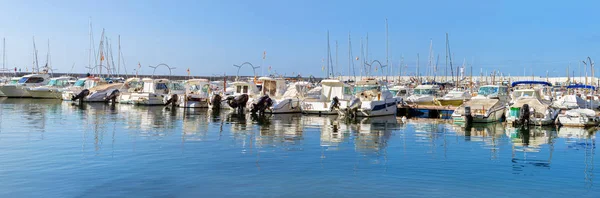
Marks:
<point>53,149</point>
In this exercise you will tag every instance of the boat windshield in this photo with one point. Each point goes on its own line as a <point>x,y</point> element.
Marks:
<point>52,82</point>
<point>23,80</point>
<point>524,93</point>
<point>359,89</point>
<point>424,91</point>
<point>485,91</point>
<point>176,86</point>
<point>12,82</point>
<point>79,83</point>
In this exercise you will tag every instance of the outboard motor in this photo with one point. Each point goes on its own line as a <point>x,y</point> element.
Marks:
<point>215,102</point>
<point>173,100</point>
<point>353,107</point>
<point>112,96</point>
<point>335,104</point>
<point>81,95</point>
<point>263,103</point>
<point>238,102</point>
<point>525,115</point>
<point>468,116</point>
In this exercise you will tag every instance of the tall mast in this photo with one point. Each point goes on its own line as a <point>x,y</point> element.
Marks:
<point>362,58</point>
<point>349,55</point>
<point>449,53</point>
<point>387,54</point>
<point>48,57</point>
<point>336,56</point>
<point>328,54</point>
<point>90,45</point>
<point>3,53</point>
<point>367,56</point>
<point>35,57</point>
<point>119,58</point>
<point>418,75</point>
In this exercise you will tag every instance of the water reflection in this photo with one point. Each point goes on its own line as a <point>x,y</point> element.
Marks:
<point>419,150</point>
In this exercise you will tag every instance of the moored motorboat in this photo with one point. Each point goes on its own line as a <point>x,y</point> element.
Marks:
<point>52,90</point>
<point>19,90</point>
<point>488,106</point>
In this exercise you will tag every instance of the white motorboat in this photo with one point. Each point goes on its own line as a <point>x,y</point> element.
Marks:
<point>578,118</point>
<point>238,88</point>
<point>488,106</point>
<point>318,100</point>
<point>372,99</point>
<point>455,97</point>
<point>156,92</point>
<point>11,81</point>
<point>19,90</point>
<point>539,111</point>
<point>52,90</point>
<point>131,85</point>
<point>197,94</point>
<point>400,92</point>
<point>424,94</point>
<point>286,99</point>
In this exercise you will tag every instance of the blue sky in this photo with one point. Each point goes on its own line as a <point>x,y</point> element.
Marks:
<point>210,36</point>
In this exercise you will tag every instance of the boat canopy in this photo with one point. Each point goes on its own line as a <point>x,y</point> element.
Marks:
<point>530,82</point>
<point>581,87</point>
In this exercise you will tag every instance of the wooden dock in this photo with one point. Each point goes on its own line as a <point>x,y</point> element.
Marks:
<point>426,111</point>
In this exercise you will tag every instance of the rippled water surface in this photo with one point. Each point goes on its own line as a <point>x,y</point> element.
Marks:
<point>53,149</point>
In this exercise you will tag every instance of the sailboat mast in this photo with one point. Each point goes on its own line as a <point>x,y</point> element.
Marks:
<point>349,55</point>
<point>90,45</point>
<point>37,67</point>
<point>418,75</point>
<point>4,53</point>
<point>119,57</point>
<point>387,54</point>
<point>336,56</point>
<point>450,56</point>
<point>48,57</point>
<point>328,54</point>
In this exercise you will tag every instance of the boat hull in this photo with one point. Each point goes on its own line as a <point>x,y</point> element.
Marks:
<point>14,91</point>
<point>577,121</point>
<point>46,94</point>
<point>495,115</point>
<point>286,106</point>
<point>455,103</point>
<point>378,108</point>
<point>320,107</point>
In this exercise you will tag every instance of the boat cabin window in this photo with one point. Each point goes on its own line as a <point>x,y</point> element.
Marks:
<point>270,88</point>
<point>347,91</point>
<point>503,91</point>
<point>360,89</point>
<point>485,91</point>
<point>176,86</point>
<point>79,83</point>
<point>402,92</point>
<point>245,89</point>
<point>206,88</point>
<point>424,92</point>
<point>161,86</point>
<point>52,82</point>
<point>34,80</point>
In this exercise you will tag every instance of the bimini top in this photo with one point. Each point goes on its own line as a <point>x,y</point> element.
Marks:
<point>581,87</point>
<point>530,82</point>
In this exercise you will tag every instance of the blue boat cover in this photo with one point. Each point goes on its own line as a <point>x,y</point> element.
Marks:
<point>581,87</point>
<point>530,82</point>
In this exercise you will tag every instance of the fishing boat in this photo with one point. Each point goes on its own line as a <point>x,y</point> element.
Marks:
<point>197,93</point>
<point>455,97</point>
<point>19,90</point>
<point>488,106</point>
<point>319,99</point>
<point>424,94</point>
<point>372,99</point>
<point>528,106</point>
<point>52,90</point>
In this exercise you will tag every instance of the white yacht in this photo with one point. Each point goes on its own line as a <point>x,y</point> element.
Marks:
<point>197,94</point>
<point>488,106</point>
<point>372,99</point>
<point>52,90</point>
<point>11,81</point>
<point>131,85</point>
<point>318,100</point>
<point>400,92</point>
<point>424,94</point>
<point>455,97</point>
<point>155,92</point>
<point>540,110</point>
<point>18,90</point>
